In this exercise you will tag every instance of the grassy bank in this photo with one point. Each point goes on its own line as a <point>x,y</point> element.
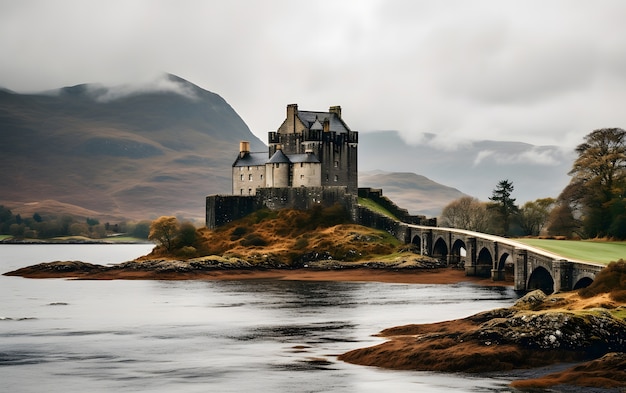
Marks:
<point>584,250</point>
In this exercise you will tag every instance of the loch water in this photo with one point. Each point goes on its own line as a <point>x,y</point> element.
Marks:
<point>59,335</point>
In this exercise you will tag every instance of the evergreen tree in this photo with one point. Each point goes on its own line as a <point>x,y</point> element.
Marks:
<point>504,205</point>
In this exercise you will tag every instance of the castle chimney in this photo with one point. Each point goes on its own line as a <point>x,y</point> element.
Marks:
<point>336,110</point>
<point>292,110</point>
<point>326,125</point>
<point>244,148</point>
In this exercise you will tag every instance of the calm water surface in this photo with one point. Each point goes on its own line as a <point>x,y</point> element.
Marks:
<point>61,335</point>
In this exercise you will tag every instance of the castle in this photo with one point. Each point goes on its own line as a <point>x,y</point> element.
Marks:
<point>311,160</point>
<point>309,149</point>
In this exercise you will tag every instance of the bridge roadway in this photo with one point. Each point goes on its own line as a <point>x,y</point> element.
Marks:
<point>496,257</point>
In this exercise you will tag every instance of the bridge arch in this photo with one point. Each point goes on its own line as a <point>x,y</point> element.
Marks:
<point>541,278</point>
<point>458,252</point>
<point>440,249</point>
<point>484,263</point>
<point>504,267</point>
<point>583,283</point>
<point>504,258</point>
<point>417,241</point>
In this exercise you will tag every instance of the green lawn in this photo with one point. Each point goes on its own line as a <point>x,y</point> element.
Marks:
<point>587,250</point>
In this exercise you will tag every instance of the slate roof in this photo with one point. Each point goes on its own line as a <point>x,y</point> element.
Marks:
<point>251,159</point>
<point>278,158</point>
<point>336,124</point>
<point>260,158</point>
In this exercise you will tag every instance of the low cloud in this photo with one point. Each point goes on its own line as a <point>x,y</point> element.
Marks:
<point>534,155</point>
<point>160,84</point>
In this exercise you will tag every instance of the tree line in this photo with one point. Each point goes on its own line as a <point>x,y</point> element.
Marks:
<point>46,226</point>
<point>592,205</point>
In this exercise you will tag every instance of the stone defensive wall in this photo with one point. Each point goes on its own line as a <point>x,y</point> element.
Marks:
<point>222,209</point>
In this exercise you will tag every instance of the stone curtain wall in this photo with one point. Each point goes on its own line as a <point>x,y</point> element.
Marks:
<point>303,198</point>
<point>222,209</point>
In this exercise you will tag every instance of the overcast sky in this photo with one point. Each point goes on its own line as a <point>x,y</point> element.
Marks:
<point>542,72</point>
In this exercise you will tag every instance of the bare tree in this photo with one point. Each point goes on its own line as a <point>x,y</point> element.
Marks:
<point>534,215</point>
<point>465,213</point>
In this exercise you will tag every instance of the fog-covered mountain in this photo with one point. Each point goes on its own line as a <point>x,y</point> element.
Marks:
<point>121,152</point>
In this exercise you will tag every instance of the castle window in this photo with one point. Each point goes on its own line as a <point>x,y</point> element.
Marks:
<point>249,191</point>
<point>261,176</point>
<point>241,177</point>
<point>241,191</point>
<point>250,177</point>
<point>302,177</point>
<point>301,165</point>
<point>336,178</point>
<point>277,165</point>
<point>336,164</point>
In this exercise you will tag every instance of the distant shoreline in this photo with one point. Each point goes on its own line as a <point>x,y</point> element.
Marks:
<point>71,241</point>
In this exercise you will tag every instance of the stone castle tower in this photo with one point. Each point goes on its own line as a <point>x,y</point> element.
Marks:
<point>309,149</point>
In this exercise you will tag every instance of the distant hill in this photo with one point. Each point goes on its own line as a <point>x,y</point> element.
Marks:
<point>119,153</point>
<point>475,167</point>
<point>418,194</point>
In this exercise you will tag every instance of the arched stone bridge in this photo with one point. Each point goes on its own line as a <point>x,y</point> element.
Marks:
<point>493,256</point>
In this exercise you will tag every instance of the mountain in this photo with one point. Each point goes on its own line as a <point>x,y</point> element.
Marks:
<point>143,152</point>
<point>474,168</point>
<point>119,152</point>
<point>418,194</point>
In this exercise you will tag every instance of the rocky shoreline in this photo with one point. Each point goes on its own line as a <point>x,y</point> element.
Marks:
<point>537,331</point>
<point>403,270</point>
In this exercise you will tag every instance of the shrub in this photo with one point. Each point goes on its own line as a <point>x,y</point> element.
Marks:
<point>611,279</point>
<point>187,252</point>
<point>253,240</point>
<point>237,233</point>
<point>301,243</point>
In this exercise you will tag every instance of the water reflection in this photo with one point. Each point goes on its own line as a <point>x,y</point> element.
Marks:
<point>234,336</point>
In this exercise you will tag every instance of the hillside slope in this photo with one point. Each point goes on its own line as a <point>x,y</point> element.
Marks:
<point>413,192</point>
<point>120,153</point>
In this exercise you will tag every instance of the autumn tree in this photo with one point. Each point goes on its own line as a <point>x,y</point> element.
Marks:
<point>164,230</point>
<point>503,205</point>
<point>188,235</point>
<point>533,215</point>
<point>598,184</point>
<point>465,213</point>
